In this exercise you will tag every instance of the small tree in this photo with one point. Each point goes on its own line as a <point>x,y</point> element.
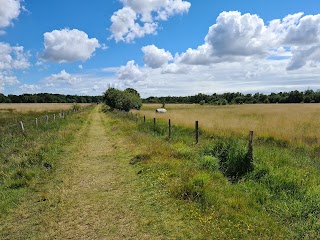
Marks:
<point>163,102</point>
<point>122,100</point>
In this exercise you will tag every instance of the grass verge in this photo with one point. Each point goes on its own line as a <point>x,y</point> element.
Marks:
<point>279,198</point>
<point>27,158</point>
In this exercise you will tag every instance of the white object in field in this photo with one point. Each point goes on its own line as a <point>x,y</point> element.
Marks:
<point>161,110</point>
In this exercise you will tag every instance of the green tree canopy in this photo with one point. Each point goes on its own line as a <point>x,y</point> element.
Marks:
<point>122,100</point>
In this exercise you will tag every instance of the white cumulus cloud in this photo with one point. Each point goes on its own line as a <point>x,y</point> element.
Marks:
<point>6,79</point>
<point>303,36</point>
<point>63,77</point>
<point>233,37</point>
<point>124,26</point>
<point>303,30</point>
<point>174,68</point>
<point>237,37</point>
<point>200,56</point>
<point>138,18</point>
<point>13,57</point>
<point>9,10</point>
<point>68,46</point>
<point>303,55</point>
<point>155,57</point>
<point>131,72</point>
<point>27,88</point>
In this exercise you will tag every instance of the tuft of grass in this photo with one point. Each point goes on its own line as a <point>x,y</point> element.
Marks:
<point>209,163</point>
<point>233,157</point>
<point>139,158</point>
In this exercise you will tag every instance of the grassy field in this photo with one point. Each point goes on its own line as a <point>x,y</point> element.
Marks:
<point>26,156</point>
<point>12,113</point>
<point>279,196</point>
<point>36,107</point>
<point>92,192</point>
<point>110,176</point>
<point>297,124</point>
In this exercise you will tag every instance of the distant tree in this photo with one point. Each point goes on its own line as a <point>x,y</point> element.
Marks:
<point>307,99</point>
<point>132,91</point>
<point>295,97</point>
<point>3,98</point>
<point>122,100</point>
<point>48,98</point>
<point>163,102</point>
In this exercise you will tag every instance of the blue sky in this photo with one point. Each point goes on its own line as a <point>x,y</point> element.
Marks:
<point>159,47</point>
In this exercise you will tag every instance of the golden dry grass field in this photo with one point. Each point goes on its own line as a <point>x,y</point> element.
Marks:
<point>297,124</point>
<point>36,107</point>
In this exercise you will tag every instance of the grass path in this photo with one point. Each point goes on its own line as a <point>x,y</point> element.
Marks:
<point>92,195</point>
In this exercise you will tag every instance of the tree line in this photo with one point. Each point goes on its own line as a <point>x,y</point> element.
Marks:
<point>308,96</point>
<point>49,98</point>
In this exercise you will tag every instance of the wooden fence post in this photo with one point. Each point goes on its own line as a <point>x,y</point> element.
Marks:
<point>154,124</point>
<point>54,117</point>
<point>169,129</point>
<point>47,119</point>
<point>197,132</point>
<point>250,147</point>
<point>36,122</point>
<point>21,125</point>
<point>144,119</point>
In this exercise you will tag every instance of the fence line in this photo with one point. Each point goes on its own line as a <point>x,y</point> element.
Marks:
<point>24,125</point>
<point>196,130</point>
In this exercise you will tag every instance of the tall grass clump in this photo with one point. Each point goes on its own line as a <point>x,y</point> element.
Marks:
<point>234,160</point>
<point>196,188</point>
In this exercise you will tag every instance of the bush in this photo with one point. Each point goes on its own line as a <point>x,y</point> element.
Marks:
<point>122,100</point>
<point>75,107</point>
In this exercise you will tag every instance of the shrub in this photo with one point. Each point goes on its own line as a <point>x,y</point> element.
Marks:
<point>75,107</point>
<point>122,100</point>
